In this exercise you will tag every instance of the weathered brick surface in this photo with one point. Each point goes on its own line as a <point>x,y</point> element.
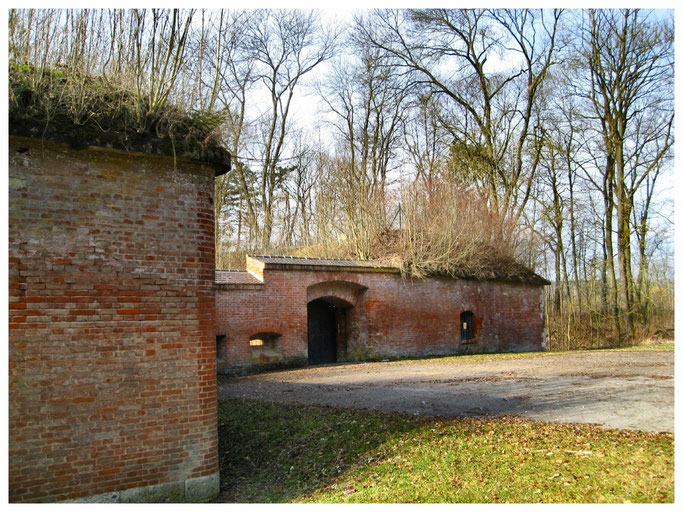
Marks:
<point>111,322</point>
<point>386,315</point>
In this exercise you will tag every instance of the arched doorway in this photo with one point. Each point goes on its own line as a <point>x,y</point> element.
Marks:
<point>328,319</point>
<point>322,332</point>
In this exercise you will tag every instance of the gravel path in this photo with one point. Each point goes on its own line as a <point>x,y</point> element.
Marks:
<point>625,390</point>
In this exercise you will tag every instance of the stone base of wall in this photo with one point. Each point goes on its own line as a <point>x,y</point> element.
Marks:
<point>192,490</point>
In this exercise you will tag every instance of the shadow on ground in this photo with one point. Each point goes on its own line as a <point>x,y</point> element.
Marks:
<point>271,453</point>
<point>280,453</point>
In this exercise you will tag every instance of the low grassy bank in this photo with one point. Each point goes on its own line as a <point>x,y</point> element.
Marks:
<point>287,453</point>
<point>663,346</point>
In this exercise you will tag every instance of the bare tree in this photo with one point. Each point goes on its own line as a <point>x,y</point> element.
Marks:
<point>286,45</point>
<point>426,142</point>
<point>224,80</point>
<point>489,113</point>
<point>368,102</point>
<point>629,58</point>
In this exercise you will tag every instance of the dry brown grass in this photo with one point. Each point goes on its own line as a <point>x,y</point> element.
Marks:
<point>447,231</point>
<point>596,329</point>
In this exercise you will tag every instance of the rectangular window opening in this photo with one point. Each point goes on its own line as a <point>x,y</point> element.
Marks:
<point>221,346</point>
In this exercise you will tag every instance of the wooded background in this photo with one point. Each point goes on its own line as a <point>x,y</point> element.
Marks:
<point>432,139</point>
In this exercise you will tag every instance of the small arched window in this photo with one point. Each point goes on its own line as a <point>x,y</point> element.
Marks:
<point>466,326</point>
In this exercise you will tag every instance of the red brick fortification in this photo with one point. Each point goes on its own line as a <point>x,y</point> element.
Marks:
<point>112,387</point>
<point>381,314</point>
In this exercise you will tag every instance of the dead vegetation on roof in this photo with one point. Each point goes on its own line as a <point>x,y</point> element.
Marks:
<point>90,111</point>
<point>484,262</point>
<point>447,231</point>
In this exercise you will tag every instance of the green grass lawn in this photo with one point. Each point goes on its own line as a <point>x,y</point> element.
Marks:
<point>289,453</point>
<point>665,346</point>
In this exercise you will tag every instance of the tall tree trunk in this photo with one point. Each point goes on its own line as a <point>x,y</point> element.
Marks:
<point>624,204</point>
<point>609,260</point>
<point>573,234</point>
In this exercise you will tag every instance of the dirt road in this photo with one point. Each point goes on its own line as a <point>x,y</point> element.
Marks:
<point>626,389</point>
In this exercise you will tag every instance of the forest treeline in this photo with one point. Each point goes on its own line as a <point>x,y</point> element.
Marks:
<point>440,140</point>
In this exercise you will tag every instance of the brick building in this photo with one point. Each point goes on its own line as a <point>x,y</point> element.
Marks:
<point>112,367</point>
<point>288,310</point>
<point>117,315</point>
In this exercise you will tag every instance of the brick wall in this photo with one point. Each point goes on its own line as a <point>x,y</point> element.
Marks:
<point>111,322</point>
<point>391,316</point>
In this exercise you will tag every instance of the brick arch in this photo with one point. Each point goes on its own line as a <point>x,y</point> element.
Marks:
<point>266,326</point>
<point>345,291</point>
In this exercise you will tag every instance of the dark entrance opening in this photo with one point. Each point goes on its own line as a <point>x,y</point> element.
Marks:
<point>322,332</point>
<point>466,326</point>
<point>221,347</point>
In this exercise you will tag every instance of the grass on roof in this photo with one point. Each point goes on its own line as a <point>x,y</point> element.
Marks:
<point>93,111</point>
